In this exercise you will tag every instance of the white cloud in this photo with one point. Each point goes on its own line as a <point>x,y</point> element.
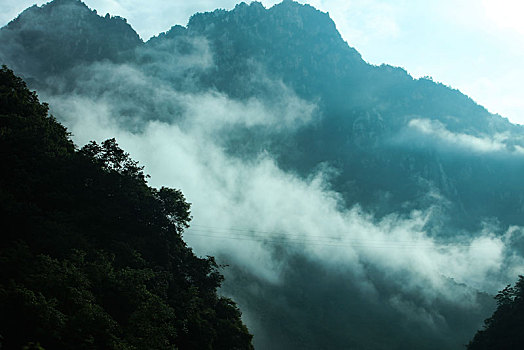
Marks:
<point>257,196</point>
<point>244,208</point>
<point>479,144</point>
<point>269,204</point>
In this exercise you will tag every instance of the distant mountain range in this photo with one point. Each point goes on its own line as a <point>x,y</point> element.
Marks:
<point>365,112</point>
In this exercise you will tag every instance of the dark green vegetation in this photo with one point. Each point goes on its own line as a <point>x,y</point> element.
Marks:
<point>91,257</point>
<point>505,329</point>
<point>391,144</point>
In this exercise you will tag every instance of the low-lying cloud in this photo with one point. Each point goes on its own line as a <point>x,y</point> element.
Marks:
<point>480,144</point>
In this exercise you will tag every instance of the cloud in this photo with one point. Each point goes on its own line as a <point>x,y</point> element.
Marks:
<point>480,144</point>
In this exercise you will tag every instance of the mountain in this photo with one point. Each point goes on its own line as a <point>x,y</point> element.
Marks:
<point>51,39</point>
<point>356,206</point>
<point>365,110</point>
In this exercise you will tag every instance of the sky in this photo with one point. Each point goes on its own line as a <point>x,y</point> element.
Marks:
<point>476,46</point>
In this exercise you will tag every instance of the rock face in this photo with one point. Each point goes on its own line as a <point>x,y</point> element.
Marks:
<point>295,42</point>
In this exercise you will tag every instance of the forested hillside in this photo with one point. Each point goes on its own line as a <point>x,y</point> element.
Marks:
<point>91,257</point>
<point>503,330</point>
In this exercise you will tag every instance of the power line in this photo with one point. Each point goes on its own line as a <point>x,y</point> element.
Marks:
<point>281,233</point>
<point>250,235</point>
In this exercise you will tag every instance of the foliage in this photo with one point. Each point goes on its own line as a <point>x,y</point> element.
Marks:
<point>504,330</point>
<point>90,255</point>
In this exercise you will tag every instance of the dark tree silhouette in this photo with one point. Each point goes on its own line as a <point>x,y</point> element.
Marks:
<point>504,330</point>
<point>91,257</point>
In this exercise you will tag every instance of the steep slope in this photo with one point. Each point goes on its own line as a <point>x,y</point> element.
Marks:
<point>301,46</point>
<point>293,42</point>
<point>91,257</point>
<point>504,329</point>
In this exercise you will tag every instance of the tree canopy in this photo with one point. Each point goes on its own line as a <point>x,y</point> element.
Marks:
<point>91,256</point>
<point>504,330</point>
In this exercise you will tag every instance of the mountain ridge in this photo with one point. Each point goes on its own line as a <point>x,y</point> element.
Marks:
<point>287,9</point>
<point>363,108</point>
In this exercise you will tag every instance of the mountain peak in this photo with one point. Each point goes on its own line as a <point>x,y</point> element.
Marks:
<point>53,8</point>
<point>60,34</point>
<point>304,41</point>
<point>253,5</point>
<point>65,2</point>
<point>74,6</point>
<point>289,18</point>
